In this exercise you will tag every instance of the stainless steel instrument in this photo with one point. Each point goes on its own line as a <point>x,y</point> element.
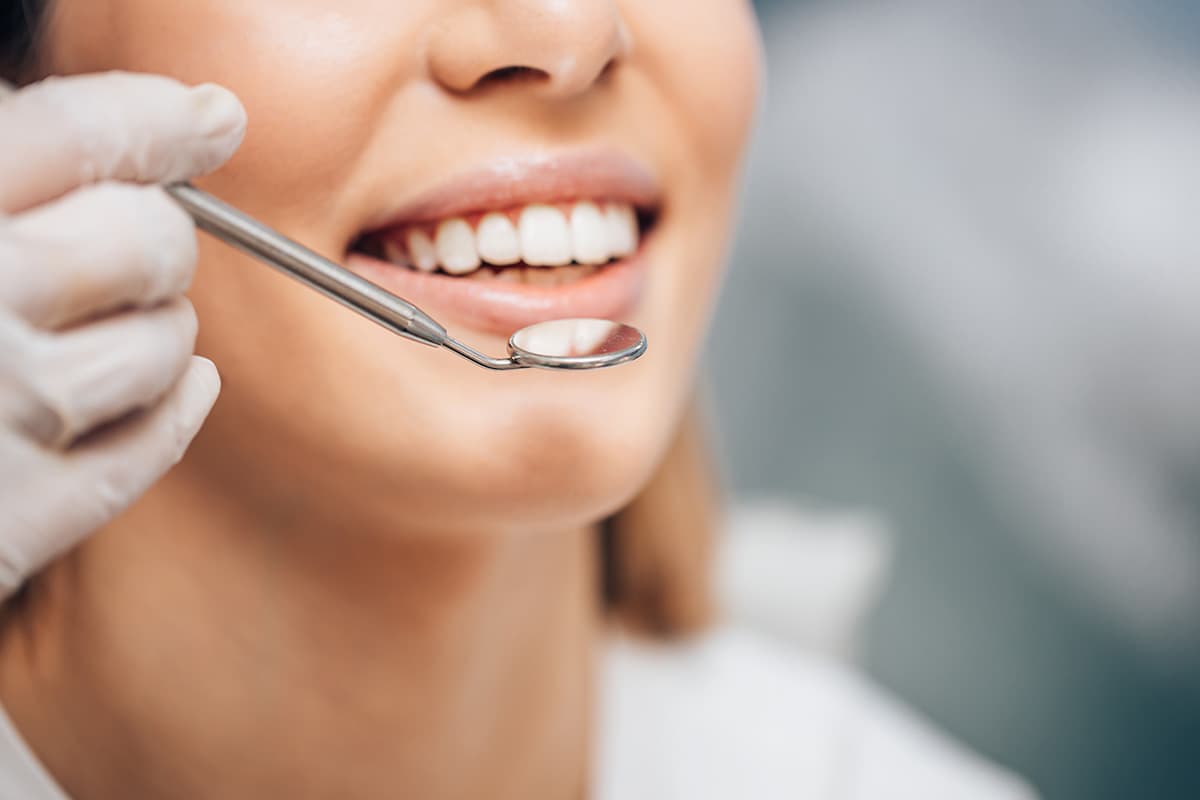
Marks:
<point>558,344</point>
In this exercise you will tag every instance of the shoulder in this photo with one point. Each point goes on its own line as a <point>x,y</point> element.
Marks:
<point>734,715</point>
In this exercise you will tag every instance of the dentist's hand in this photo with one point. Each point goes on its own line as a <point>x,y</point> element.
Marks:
<point>99,391</point>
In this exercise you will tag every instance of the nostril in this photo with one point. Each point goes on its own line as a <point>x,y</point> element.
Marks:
<point>512,75</point>
<point>606,70</point>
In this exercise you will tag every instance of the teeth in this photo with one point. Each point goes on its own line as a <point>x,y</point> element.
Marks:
<point>421,251</point>
<point>545,237</point>
<point>395,254</point>
<point>586,235</point>
<point>456,247</point>
<point>622,229</point>
<point>589,234</point>
<point>497,240</point>
<point>570,336</point>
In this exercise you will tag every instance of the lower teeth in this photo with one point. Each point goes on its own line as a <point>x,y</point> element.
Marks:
<point>533,276</point>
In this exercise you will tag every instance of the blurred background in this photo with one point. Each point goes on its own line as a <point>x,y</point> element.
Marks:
<point>966,299</point>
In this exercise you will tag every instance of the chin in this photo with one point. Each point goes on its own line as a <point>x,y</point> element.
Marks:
<point>583,469</point>
<point>546,458</point>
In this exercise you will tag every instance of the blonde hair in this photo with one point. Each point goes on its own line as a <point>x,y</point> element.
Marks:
<point>657,552</point>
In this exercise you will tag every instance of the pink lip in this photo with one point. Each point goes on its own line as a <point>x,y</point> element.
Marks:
<point>502,308</point>
<point>519,180</point>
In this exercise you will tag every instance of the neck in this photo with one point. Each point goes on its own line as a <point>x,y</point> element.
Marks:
<point>192,651</point>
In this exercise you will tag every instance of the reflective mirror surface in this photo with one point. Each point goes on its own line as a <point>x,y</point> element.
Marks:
<point>576,344</point>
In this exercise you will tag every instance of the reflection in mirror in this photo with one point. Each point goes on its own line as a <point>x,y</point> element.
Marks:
<point>582,343</point>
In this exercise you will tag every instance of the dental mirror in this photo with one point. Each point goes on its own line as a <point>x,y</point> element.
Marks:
<point>564,344</point>
<point>576,344</point>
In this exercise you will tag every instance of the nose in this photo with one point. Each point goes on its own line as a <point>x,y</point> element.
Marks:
<point>560,46</point>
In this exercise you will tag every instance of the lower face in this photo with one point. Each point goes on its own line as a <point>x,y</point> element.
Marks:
<point>490,208</point>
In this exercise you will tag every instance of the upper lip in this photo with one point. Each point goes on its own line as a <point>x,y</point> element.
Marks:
<point>535,178</point>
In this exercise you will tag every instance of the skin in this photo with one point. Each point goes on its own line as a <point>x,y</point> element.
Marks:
<point>374,573</point>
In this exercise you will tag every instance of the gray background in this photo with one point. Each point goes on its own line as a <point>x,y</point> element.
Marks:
<point>834,406</point>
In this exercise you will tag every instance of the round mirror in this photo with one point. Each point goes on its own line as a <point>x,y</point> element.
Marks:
<point>576,344</point>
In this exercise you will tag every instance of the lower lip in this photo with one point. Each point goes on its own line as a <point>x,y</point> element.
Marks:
<point>611,292</point>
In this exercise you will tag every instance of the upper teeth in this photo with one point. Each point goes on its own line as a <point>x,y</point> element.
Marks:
<point>540,235</point>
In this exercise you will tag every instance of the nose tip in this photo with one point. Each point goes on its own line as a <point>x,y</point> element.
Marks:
<point>561,47</point>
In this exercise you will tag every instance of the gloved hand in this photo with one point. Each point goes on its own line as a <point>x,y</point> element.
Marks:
<point>99,391</point>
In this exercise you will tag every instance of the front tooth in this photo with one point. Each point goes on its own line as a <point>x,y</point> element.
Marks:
<point>589,234</point>
<point>622,229</point>
<point>421,250</point>
<point>497,240</point>
<point>545,236</point>
<point>456,247</point>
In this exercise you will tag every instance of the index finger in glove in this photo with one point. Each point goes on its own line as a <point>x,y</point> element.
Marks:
<point>63,133</point>
<point>60,386</point>
<point>95,250</point>
<point>57,499</point>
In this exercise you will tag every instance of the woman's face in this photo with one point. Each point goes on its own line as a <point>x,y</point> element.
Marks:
<point>451,133</point>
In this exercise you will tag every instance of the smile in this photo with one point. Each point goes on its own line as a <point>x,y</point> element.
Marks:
<point>519,242</point>
<point>515,244</point>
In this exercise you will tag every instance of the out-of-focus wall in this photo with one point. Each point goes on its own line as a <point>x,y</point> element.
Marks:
<point>940,310</point>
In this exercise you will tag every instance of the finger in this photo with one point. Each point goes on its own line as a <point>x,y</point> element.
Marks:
<point>102,371</point>
<point>121,463</point>
<point>96,481</point>
<point>95,250</point>
<point>68,132</point>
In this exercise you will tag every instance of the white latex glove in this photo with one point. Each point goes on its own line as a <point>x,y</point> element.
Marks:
<point>99,391</point>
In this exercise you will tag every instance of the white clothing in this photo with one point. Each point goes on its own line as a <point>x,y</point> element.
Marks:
<point>735,715</point>
<point>731,716</point>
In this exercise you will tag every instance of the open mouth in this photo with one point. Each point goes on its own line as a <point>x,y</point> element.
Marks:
<point>545,245</point>
<point>520,243</point>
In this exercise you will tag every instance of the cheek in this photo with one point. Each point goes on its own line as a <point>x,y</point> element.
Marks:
<point>312,80</point>
<point>705,58</point>
<point>702,63</point>
<point>699,63</point>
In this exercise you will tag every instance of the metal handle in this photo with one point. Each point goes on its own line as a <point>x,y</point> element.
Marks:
<point>333,280</point>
